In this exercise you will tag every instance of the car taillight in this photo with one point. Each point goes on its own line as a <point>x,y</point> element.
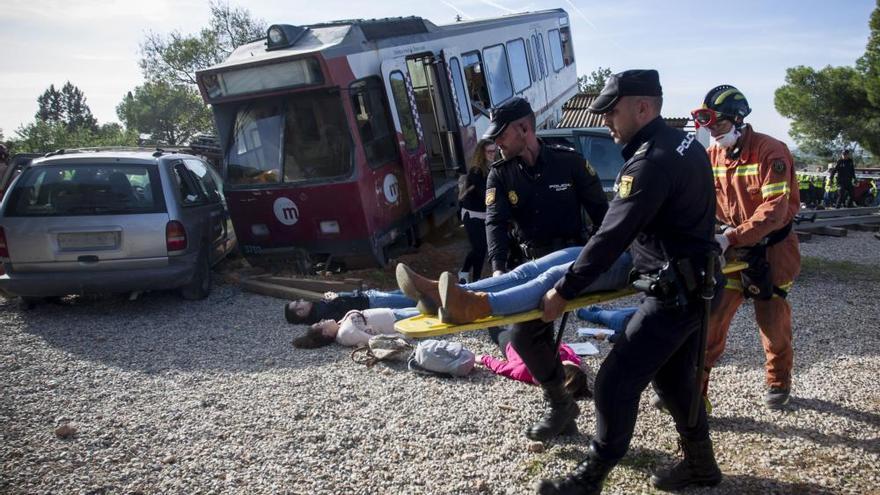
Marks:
<point>4,249</point>
<point>175,236</point>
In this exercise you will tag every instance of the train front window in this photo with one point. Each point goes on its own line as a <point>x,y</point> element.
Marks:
<point>254,156</point>
<point>371,116</point>
<point>301,137</point>
<point>317,143</point>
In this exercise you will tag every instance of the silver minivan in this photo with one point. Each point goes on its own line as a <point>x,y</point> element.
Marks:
<point>113,221</point>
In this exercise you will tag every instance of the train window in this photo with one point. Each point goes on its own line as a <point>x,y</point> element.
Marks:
<point>532,73</point>
<point>461,97</point>
<point>476,83</point>
<point>371,116</point>
<point>498,74</point>
<point>561,48</point>
<point>254,154</point>
<point>519,65</point>
<point>567,46</point>
<point>556,50</point>
<point>317,144</point>
<point>542,54</point>
<point>404,110</point>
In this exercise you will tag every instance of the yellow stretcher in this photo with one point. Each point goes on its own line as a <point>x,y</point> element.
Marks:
<point>422,326</point>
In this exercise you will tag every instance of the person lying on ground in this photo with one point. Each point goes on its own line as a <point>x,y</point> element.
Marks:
<point>614,318</point>
<point>464,304</point>
<point>336,305</point>
<point>354,329</point>
<point>513,367</point>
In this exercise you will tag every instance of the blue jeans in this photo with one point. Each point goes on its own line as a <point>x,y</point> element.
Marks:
<point>519,275</point>
<point>527,296</point>
<point>526,272</point>
<point>615,319</point>
<point>404,313</point>
<point>392,299</point>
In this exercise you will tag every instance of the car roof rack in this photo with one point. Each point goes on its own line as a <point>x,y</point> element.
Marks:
<point>156,151</point>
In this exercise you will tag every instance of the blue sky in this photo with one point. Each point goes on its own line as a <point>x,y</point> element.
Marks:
<point>694,45</point>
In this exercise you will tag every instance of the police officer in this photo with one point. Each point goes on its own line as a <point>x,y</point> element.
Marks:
<point>536,189</point>
<point>539,190</point>
<point>665,208</point>
<point>846,176</point>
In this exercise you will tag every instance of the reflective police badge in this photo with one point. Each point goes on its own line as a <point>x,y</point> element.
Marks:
<point>490,196</point>
<point>625,186</point>
<point>513,198</point>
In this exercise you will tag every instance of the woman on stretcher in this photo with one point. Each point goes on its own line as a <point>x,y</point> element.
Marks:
<point>424,294</point>
<point>515,292</point>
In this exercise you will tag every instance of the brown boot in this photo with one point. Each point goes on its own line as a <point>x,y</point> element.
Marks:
<point>458,305</point>
<point>419,288</point>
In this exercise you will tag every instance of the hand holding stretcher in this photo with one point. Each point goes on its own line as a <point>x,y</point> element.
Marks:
<point>423,326</point>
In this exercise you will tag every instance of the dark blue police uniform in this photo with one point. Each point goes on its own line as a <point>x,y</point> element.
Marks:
<point>540,205</point>
<point>664,210</point>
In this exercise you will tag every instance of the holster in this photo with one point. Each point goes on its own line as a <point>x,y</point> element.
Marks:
<point>757,279</point>
<point>676,284</point>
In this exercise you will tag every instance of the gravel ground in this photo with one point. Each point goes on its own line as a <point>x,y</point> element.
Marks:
<point>160,395</point>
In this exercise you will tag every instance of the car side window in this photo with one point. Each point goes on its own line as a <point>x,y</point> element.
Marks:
<point>192,193</point>
<point>603,154</point>
<point>206,181</point>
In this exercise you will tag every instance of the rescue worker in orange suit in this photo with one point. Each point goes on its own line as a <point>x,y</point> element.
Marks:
<point>757,199</point>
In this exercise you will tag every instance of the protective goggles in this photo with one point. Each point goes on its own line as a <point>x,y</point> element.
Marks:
<point>704,117</point>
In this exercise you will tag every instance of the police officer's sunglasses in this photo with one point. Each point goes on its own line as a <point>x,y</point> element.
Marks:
<point>704,117</point>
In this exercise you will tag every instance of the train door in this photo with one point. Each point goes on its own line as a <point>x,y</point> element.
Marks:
<point>411,141</point>
<point>460,114</point>
<point>434,104</point>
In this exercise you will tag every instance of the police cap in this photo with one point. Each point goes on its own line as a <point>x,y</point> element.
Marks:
<point>502,115</point>
<point>636,82</point>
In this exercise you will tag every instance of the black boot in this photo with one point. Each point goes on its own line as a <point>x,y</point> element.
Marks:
<point>559,415</point>
<point>587,478</point>
<point>697,468</point>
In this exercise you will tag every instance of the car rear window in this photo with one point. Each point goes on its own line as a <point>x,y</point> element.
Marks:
<point>86,189</point>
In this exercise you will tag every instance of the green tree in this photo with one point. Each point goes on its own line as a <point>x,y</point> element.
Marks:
<point>869,63</point>
<point>76,112</point>
<point>176,58</point>
<point>834,107</point>
<point>41,136</point>
<point>67,106</point>
<point>49,106</point>
<point>170,114</point>
<point>595,81</point>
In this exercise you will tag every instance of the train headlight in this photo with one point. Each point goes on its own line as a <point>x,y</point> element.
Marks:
<point>283,36</point>
<point>260,230</point>
<point>329,227</point>
<point>276,36</point>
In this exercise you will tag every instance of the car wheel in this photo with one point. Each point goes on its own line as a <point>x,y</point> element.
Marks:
<point>200,285</point>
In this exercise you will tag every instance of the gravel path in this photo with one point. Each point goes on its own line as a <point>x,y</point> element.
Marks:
<point>160,395</point>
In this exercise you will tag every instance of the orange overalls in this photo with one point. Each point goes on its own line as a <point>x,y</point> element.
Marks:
<point>757,193</point>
